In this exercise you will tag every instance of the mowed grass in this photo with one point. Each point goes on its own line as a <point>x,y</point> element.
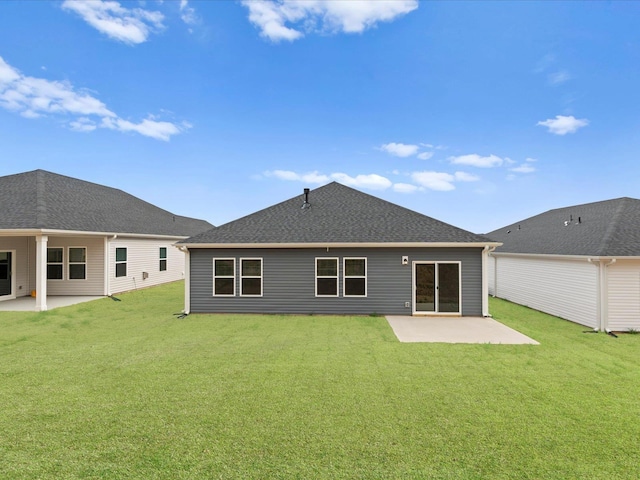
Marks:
<point>126,390</point>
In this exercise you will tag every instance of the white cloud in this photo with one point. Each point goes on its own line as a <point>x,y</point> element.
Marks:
<point>404,188</point>
<point>284,19</point>
<point>36,97</point>
<point>465,177</point>
<point>558,78</point>
<point>476,160</point>
<point>400,149</point>
<point>128,25</point>
<point>83,124</point>
<point>371,181</point>
<point>561,125</point>
<point>187,13</point>
<point>311,177</point>
<point>425,155</point>
<point>434,180</point>
<point>524,168</point>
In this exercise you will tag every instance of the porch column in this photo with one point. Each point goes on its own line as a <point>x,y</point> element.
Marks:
<point>187,281</point>
<point>41,272</point>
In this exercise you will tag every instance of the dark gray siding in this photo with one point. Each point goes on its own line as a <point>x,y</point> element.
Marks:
<point>289,281</point>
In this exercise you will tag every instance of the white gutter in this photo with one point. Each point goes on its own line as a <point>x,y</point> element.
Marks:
<point>344,245</point>
<point>187,278</point>
<point>21,232</point>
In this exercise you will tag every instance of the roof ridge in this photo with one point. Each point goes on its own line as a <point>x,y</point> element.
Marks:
<point>612,227</point>
<point>41,202</point>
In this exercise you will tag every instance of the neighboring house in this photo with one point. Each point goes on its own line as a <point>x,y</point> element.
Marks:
<point>336,250</point>
<point>581,263</point>
<point>63,236</point>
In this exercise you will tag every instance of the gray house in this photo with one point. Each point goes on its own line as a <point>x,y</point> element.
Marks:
<point>335,250</point>
<point>581,263</point>
<point>64,236</point>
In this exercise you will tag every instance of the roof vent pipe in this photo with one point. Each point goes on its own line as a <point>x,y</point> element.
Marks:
<point>306,203</point>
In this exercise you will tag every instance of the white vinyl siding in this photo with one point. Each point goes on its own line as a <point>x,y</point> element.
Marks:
<point>94,269</point>
<point>142,257</point>
<point>562,287</point>
<point>624,295</point>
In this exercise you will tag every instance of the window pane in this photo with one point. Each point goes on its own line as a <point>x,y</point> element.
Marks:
<point>327,267</point>
<point>54,272</point>
<point>224,286</point>
<point>4,271</point>
<point>77,271</point>
<point>224,268</point>
<point>54,255</point>
<point>121,269</point>
<point>251,286</point>
<point>121,254</point>
<point>163,265</point>
<point>77,255</point>
<point>327,286</point>
<point>163,252</point>
<point>251,268</point>
<point>354,286</point>
<point>354,267</point>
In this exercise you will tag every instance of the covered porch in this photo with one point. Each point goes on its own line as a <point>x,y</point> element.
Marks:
<point>57,267</point>
<point>28,304</point>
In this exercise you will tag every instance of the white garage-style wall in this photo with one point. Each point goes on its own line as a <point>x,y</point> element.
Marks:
<point>563,286</point>
<point>623,295</point>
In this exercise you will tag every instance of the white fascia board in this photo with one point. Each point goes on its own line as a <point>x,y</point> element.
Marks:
<point>343,245</point>
<point>563,257</point>
<point>22,232</point>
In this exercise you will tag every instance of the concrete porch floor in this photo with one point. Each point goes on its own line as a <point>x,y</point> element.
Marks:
<point>455,330</point>
<point>28,304</point>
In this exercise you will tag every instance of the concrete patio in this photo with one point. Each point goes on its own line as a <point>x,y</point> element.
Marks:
<point>28,304</point>
<point>455,330</point>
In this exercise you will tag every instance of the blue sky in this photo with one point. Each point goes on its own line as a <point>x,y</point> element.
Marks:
<point>476,113</point>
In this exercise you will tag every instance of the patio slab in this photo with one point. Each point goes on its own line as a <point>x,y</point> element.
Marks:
<point>455,330</point>
<point>28,304</point>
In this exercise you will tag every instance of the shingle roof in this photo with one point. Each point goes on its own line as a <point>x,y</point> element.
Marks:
<point>608,228</point>
<point>45,200</point>
<point>338,214</point>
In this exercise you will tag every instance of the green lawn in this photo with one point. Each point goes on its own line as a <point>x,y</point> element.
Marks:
<point>126,390</point>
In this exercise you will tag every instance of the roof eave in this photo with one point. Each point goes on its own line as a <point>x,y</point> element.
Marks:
<point>345,245</point>
<point>21,232</point>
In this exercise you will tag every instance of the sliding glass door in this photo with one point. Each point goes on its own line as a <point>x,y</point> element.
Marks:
<point>436,287</point>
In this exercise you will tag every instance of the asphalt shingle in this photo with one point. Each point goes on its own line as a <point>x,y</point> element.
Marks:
<point>45,200</point>
<point>337,214</point>
<point>609,228</point>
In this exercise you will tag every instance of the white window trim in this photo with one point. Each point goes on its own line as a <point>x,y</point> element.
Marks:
<point>336,276</point>
<point>224,276</point>
<point>261,277</point>
<point>85,263</point>
<point>345,277</point>
<point>116,262</point>
<point>55,263</point>
<point>437,306</point>
<point>166,259</point>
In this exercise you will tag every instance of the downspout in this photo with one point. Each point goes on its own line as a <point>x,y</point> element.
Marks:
<point>187,279</point>
<point>602,289</point>
<point>485,280</point>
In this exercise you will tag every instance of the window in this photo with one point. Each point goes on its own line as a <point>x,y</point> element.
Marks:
<point>326,277</point>
<point>224,277</point>
<point>251,276</point>
<point>54,263</point>
<point>121,262</point>
<point>163,259</point>
<point>355,277</point>
<point>77,263</point>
